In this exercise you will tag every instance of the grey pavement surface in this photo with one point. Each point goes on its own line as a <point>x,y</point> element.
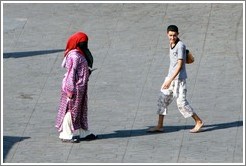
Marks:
<point>130,48</point>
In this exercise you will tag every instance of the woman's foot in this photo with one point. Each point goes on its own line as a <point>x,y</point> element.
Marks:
<point>197,127</point>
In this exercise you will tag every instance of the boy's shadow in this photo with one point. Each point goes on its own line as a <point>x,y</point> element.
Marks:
<point>168,129</point>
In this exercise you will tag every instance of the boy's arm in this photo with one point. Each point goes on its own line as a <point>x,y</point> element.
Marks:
<point>167,83</point>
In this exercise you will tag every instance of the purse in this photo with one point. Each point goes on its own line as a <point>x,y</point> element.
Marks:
<point>189,57</point>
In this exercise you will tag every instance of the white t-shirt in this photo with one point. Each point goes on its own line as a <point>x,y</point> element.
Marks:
<point>176,53</point>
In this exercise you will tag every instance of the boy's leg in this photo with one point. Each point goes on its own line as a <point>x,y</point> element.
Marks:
<point>163,102</point>
<point>198,125</point>
<point>160,121</point>
<point>184,107</point>
<point>159,127</point>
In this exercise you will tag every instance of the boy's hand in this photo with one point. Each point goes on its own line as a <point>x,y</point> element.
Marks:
<point>166,84</point>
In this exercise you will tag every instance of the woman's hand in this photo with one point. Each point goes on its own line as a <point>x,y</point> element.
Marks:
<point>70,95</point>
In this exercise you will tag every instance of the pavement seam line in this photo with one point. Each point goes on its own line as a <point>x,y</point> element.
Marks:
<point>236,36</point>
<point>142,90</point>
<point>16,43</point>
<point>37,101</point>
<point>106,55</point>
<point>199,64</point>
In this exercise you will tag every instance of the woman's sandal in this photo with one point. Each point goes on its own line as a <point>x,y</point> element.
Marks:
<point>73,140</point>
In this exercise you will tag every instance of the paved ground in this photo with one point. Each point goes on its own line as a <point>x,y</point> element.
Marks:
<point>130,48</point>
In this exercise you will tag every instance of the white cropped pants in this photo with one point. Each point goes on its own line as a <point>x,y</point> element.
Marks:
<point>176,90</point>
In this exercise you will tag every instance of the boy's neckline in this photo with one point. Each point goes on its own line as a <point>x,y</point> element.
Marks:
<point>172,47</point>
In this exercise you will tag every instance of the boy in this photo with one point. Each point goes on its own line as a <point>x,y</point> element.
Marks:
<point>175,84</point>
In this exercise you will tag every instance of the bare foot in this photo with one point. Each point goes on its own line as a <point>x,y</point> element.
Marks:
<point>197,127</point>
<point>155,129</point>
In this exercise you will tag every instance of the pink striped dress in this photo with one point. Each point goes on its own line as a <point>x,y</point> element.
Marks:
<point>75,81</point>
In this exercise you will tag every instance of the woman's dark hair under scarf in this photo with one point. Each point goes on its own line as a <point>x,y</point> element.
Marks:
<point>79,41</point>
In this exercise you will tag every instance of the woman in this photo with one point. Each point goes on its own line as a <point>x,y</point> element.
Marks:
<point>71,121</point>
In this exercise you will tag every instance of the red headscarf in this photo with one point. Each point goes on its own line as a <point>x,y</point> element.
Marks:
<point>73,40</point>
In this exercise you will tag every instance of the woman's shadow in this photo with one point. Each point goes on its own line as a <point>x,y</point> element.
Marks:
<point>8,142</point>
<point>168,129</point>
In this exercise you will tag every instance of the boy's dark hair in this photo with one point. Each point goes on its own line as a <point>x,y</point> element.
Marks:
<point>173,28</point>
